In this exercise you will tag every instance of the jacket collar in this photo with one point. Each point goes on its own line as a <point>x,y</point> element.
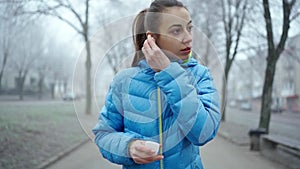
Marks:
<point>192,62</point>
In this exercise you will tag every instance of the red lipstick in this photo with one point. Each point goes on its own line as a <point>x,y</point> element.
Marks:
<point>186,50</point>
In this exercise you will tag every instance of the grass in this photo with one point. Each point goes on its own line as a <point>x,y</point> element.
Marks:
<point>32,132</point>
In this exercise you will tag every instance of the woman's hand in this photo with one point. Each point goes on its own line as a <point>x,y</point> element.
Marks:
<point>155,57</point>
<point>142,154</point>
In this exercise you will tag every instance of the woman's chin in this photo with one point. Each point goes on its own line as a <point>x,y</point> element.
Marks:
<point>183,57</point>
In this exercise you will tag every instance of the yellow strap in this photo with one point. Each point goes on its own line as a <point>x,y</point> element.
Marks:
<point>160,125</point>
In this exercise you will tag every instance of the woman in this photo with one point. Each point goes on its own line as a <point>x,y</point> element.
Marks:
<point>166,97</point>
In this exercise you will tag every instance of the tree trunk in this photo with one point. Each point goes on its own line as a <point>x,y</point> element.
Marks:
<point>224,90</point>
<point>273,56</point>
<point>1,74</point>
<point>22,77</point>
<point>21,87</point>
<point>265,113</point>
<point>88,65</point>
<point>65,86</point>
<point>52,86</point>
<point>223,109</point>
<point>40,86</point>
<point>5,57</point>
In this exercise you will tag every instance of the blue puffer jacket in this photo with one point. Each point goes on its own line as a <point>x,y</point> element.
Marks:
<point>190,114</point>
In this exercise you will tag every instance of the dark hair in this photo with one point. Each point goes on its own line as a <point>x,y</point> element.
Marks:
<point>147,20</point>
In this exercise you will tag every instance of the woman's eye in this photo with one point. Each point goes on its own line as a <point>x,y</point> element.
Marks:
<point>190,28</point>
<point>176,31</point>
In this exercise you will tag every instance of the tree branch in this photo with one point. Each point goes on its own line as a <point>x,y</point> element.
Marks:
<point>267,15</point>
<point>239,29</point>
<point>224,16</point>
<point>295,16</point>
<point>72,9</point>
<point>287,7</point>
<point>68,22</point>
<point>47,10</point>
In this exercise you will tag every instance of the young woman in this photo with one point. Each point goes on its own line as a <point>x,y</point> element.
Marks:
<point>166,97</point>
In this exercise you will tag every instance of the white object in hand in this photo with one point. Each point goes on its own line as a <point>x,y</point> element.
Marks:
<point>153,146</point>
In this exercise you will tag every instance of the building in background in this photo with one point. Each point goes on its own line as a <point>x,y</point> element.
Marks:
<point>247,78</point>
<point>287,78</point>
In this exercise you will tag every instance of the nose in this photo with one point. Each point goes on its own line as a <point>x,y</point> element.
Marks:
<point>188,38</point>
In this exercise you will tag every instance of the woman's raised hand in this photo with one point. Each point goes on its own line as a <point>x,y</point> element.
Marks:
<point>155,57</point>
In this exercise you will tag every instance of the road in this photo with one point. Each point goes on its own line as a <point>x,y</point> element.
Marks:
<point>284,124</point>
<point>220,153</point>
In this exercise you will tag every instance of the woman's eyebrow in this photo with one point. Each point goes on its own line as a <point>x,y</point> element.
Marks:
<point>179,25</point>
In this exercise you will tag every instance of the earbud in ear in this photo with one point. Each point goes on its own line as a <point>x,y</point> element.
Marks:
<point>149,33</point>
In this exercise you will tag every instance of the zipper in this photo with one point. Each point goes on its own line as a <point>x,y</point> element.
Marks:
<point>159,106</point>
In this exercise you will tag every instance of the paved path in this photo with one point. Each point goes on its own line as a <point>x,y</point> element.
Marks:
<point>284,124</point>
<point>230,153</point>
<point>86,157</point>
<point>218,154</point>
<point>222,154</point>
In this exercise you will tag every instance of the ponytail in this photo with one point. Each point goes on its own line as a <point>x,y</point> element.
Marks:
<point>139,36</point>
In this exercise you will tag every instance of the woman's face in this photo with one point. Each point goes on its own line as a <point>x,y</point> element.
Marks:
<point>175,32</point>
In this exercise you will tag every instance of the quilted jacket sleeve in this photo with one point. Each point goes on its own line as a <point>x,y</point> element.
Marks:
<point>109,131</point>
<point>193,100</point>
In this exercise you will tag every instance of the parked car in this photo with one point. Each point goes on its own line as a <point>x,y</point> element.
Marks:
<point>277,105</point>
<point>70,96</point>
<point>245,106</point>
<point>232,103</point>
<point>277,109</point>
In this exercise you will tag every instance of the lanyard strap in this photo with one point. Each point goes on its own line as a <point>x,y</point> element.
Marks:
<point>160,125</point>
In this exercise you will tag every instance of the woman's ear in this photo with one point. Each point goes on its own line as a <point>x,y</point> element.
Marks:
<point>154,35</point>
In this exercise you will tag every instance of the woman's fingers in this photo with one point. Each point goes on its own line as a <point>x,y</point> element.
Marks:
<point>155,57</point>
<point>142,154</point>
<point>147,49</point>
<point>151,42</point>
<point>147,160</point>
<point>145,150</point>
<point>139,149</point>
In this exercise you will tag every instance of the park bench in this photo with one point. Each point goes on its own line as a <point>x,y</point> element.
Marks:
<point>281,149</point>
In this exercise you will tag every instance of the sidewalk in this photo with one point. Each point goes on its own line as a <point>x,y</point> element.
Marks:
<point>235,133</point>
<point>85,157</point>
<point>226,151</point>
<point>222,154</point>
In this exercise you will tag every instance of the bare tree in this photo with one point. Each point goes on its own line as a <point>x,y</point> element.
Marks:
<point>7,34</point>
<point>233,17</point>
<point>119,47</point>
<point>79,22</point>
<point>42,68</point>
<point>5,48</point>
<point>117,54</point>
<point>57,71</point>
<point>274,52</point>
<point>25,54</point>
<point>205,15</point>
